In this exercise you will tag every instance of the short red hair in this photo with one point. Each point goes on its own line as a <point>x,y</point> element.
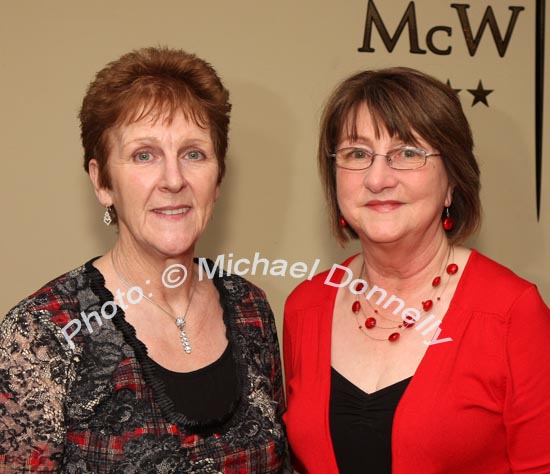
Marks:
<point>157,82</point>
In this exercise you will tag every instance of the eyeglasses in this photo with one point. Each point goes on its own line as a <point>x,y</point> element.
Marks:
<point>402,158</point>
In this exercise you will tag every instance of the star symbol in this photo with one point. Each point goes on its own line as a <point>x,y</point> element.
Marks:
<point>449,84</point>
<point>480,94</point>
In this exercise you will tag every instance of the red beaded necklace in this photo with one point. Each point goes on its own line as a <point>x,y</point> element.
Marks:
<point>371,322</point>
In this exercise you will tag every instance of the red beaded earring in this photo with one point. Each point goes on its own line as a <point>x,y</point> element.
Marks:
<point>343,222</point>
<point>448,222</point>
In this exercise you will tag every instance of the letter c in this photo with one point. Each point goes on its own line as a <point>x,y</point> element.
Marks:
<point>430,43</point>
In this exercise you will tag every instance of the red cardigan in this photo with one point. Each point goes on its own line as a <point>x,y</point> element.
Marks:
<point>477,405</point>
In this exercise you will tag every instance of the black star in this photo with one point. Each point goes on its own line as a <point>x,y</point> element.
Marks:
<point>449,84</point>
<point>480,94</point>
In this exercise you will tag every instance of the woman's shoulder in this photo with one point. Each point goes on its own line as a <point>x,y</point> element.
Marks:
<point>239,288</point>
<point>231,284</point>
<point>495,288</point>
<point>60,291</point>
<point>246,302</point>
<point>493,274</point>
<point>51,306</point>
<point>32,340</point>
<point>317,291</point>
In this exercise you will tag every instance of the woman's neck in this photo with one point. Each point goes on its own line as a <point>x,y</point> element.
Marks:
<point>405,267</point>
<point>168,279</point>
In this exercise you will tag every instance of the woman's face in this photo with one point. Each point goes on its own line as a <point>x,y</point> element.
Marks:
<point>163,184</point>
<point>384,205</point>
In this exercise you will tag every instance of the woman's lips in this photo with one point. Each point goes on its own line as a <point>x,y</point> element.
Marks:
<point>172,210</point>
<point>383,206</point>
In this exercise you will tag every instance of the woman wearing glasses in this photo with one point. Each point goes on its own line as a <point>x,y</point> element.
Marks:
<point>418,354</point>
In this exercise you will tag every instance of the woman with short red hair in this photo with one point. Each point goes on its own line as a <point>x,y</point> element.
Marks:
<point>132,363</point>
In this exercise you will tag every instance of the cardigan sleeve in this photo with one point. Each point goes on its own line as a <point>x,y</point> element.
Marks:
<point>289,357</point>
<point>33,379</point>
<point>287,347</point>
<point>527,398</point>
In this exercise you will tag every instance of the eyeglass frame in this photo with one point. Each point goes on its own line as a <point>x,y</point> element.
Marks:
<point>385,155</point>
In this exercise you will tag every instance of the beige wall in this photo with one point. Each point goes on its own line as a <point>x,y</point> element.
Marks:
<point>279,60</point>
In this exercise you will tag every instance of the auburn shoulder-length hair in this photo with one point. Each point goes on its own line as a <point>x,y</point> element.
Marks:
<point>402,101</point>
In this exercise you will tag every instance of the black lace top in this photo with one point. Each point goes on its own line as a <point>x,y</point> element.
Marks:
<point>98,407</point>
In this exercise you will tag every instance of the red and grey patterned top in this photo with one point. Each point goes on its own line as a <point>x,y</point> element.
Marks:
<point>99,408</point>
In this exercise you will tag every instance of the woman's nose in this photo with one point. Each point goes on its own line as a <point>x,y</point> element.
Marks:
<point>379,175</point>
<point>173,177</point>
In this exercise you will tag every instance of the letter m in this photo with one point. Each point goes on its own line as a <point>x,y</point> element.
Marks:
<point>374,18</point>
<point>488,18</point>
<point>210,272</point>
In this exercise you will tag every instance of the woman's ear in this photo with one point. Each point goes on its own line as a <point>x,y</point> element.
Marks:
<point>103,194</point>
<point>449,195</point>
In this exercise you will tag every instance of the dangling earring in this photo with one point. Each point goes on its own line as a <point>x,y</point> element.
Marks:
<point>343,222</point>
<point>107,219</point>
<point>448,222</point>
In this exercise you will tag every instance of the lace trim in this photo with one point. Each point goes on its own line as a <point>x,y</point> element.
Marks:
<point>227,302</point>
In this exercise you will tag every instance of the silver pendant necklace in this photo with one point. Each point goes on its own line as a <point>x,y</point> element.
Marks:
<point>180,321</point>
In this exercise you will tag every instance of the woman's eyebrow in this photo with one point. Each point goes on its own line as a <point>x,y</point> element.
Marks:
<point>358,139</point>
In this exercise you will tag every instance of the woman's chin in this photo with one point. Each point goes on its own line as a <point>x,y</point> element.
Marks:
<point>170,244</point>
<point>383,234</point>
<point>176,251</point>
<point>171,249</point>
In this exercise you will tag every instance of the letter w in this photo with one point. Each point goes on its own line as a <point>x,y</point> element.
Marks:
<point>488,18</point>
<point>373,17</point>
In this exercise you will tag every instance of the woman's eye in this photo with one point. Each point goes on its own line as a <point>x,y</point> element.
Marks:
<point>409,153</point>
<point>358,154</point>
<point>144,156</point>
<point>195,155</point>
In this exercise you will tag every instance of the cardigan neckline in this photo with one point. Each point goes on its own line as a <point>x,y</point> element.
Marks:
<point>413,380</point>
